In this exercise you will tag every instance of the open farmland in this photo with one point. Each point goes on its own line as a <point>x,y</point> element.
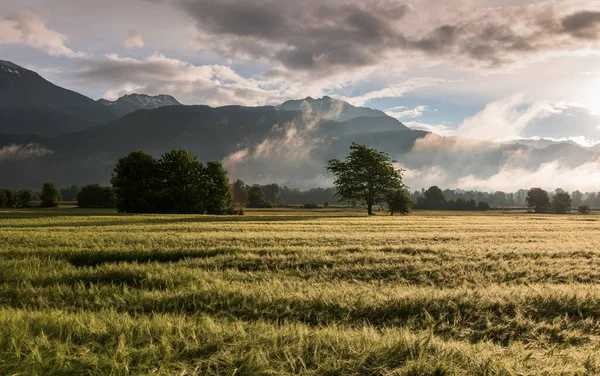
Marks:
<point>298,292</point>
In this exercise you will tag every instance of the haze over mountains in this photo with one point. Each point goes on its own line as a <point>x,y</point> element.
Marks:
<point>48,133</point>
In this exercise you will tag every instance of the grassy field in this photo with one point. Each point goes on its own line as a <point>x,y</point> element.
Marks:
<point>298,292</point>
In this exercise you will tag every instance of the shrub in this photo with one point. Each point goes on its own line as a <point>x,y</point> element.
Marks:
<point>584,209</point>
<point>96,196</point>
<point>311,205</point>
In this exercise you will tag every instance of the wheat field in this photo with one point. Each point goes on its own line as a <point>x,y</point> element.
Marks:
<point>324,292</point>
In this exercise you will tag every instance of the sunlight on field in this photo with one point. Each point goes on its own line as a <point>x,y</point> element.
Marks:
<point>297,291</point>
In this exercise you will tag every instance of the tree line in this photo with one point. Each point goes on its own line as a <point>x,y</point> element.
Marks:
<point>178,183</point>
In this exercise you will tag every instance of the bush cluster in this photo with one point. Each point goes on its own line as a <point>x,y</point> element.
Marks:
<point>96,196</point>
<point>435,199</point>
<point>175,183</point>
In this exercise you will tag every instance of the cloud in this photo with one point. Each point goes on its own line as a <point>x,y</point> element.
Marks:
<point>22,151</point>
<point>439,129</point>
<point>28,28</point>
<point>325,37</point>
<point>585,177</point>
<point>394,91</point>
<point>402,112</point>
<point>584,24</point>
<point>134,39</point>
<point>158,74</point>
<point>506,119</point>
<point>286,155</point>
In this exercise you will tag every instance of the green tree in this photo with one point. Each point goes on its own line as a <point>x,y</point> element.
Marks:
<point>96,196</point>
<point>538,200</point>
<point>398,201</point>
<point>182,189</point>
<point>240,192</point>
<point>365,175</point>
<point>272,193</point>
<point>50,195</point>
<point>3,199</point>
<point>433,199</point>
<point>256,197</point>
<point>218,199</point>
<point>136,182</point>
<point>23,198</point>
<point>561,202</point>
<point>11,200</point>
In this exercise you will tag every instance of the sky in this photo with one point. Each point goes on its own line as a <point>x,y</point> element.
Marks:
<point>494,70</point>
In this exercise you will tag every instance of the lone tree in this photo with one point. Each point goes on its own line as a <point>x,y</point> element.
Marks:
<point>366,175</point>
<point>561,202</point>
<point>50,195</point>
<point>538,200</point>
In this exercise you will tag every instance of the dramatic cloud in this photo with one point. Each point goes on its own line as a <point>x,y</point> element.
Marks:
<point>585,24</point>
<point>23,151</point>
<point>157,74</point>
<point>28,28</point>
<point>347,34</point>
<point>134,39</point>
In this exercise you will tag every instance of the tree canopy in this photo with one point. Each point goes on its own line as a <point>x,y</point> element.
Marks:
<point>365,175</point>
<point>538,200</point>
<point>176,183</point>
<point>50,195</point>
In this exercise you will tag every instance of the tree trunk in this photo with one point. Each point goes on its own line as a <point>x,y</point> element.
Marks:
<point>370,209</point>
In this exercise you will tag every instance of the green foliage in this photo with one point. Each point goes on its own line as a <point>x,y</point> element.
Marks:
<point>218,199</point>
<point>366,175</point>
<point>311,205</point>
<point>433,199</point>
<point>584,209</point>
<point>96,196</point>
<point>11,199</point>
<point>50,196</point>
<point>136,182</point>
<point>23,198</point>
<point>272,194</point>
<point>176,183</point>
<point>3,198</point>
<point>256,198</point>
<point>182,182</point>
<point>561,202</point>
<point>398,201</point>
<point>538,200</point>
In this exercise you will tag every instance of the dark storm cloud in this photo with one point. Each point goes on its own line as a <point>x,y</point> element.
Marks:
<point>585,24</point>
<point>326,36</point>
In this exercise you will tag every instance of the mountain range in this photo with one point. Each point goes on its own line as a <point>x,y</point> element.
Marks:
<point>48,133</point>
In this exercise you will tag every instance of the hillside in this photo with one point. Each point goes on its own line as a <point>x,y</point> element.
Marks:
<point>31,104</point>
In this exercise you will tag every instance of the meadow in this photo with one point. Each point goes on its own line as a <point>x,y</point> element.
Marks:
<point>323,292</point>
